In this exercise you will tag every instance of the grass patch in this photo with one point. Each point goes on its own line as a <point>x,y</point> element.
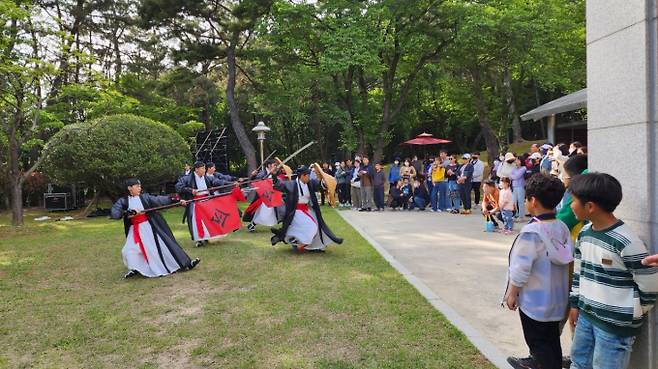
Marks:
<point>247,305</point>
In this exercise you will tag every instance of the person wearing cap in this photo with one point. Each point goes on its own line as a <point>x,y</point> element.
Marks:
<point>507,166</point>
<point>257,213</point>
<point>464,182</point>
<point>303,226</point>
<point>195,186</point>
<point>532,164</point>
<point>150,248</point>
<point>478,175</point>
<point>545,163</point>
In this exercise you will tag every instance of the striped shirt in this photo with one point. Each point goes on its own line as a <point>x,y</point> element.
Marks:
<point>610,284</point>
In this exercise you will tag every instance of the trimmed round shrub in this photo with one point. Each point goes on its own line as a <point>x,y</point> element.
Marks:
<point>106,151</point>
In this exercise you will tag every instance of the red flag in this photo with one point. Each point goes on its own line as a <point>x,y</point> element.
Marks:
<point>265,190</point>
<point>238,195</point>
<point>220,214</point>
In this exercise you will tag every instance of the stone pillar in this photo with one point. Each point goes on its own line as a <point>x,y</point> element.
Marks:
<point>622,128</point>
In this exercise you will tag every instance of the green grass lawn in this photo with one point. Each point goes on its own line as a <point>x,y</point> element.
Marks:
<point>64,304</point>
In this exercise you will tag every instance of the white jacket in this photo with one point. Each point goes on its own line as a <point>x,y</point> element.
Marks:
<point>541,270</point>
<point>478,170</point>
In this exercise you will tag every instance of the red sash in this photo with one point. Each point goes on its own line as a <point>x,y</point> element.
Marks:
<point>254,206</point>
<point>136,221</point>
<point>304,209</point>
<point>197,218</point>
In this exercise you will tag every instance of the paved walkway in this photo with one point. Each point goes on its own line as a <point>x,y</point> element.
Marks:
<point>462,265</point>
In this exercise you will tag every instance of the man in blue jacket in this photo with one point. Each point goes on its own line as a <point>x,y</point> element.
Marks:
<point>394,172</point>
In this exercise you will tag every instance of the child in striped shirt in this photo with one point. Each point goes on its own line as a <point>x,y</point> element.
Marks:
<point>612,290</point>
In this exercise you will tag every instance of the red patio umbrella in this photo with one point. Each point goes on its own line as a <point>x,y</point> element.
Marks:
<point>425,139</point>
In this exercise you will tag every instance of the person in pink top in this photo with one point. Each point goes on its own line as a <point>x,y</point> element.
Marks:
<point>506,205</point>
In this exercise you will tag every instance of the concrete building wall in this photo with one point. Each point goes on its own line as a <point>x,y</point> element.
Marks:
<point>622,128</point>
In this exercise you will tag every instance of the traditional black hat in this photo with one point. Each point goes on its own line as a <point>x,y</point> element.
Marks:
<point>303,169</point>
<point>199,164</point>
<point>132,182</point>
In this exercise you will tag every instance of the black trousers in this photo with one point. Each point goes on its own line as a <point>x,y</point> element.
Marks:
<point>344,193</point>
<point>476,190</point>
<point>465,193</point>
<point>379,197</point>
<point>543,340</point>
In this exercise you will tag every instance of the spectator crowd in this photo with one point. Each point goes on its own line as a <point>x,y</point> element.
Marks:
<point>573,263</point>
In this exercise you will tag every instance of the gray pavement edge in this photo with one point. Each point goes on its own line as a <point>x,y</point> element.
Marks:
<point>486,347</point>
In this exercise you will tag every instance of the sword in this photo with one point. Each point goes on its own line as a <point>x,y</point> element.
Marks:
<point>294,154</point>
<point>266,159</point>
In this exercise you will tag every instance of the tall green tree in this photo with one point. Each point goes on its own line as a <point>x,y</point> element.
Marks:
<point>211,33</point>
<point>23,72</point>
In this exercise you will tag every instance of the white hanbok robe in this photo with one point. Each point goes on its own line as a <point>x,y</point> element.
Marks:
<point>160,261</point>
<point>304,229</point>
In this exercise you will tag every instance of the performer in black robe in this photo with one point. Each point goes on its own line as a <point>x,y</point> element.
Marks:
<point>150,249</point>
<point>303,226</point>
<point>257,212</point>
<point>195,186</point>
<point>211,170</point>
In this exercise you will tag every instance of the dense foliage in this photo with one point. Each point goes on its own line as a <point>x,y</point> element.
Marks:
<point>356,76</point>
<point>105,151</point>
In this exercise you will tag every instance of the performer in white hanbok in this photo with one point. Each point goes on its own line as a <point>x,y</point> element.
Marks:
<point>150,249</point>
<point>303,226</point>
<point>258,212</point>
<point>195,186</point>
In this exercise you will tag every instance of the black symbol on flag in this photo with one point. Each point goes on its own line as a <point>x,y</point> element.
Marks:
<point>267,195</point>
<point>220,217</point>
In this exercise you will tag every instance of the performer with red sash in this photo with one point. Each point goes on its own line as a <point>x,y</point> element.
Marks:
<point>150,249</point>
<point>258,211</point>
<point>303,226</point>
<point>195,186</point>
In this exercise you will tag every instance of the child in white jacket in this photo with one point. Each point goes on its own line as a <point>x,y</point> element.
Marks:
<point>538,276</point>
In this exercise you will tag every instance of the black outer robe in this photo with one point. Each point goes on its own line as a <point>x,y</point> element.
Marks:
<point>184,187</point>
<point>158,224</point>
<point>291,189</point>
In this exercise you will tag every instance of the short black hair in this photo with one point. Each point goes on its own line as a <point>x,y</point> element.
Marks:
<point>210,164</point>
<point>548,190</point>
<point>600,188</point>
<point>575,165</point>
<point>269,162</point>
<point>199,164</point>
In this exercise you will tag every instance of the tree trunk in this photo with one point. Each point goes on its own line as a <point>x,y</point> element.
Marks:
<point>16,202</point>
<point>238,128</point>
<point>14,174</point>
<point>363,92</point>
<point>316,123</point>
<point>87,210</point>
<point>511,105</point>
<point>493,145</point>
